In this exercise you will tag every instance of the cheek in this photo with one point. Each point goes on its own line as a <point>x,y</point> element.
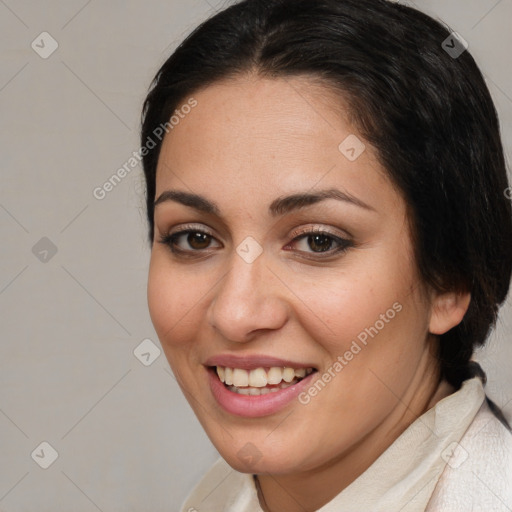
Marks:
<point>371,315</point>
<point>174,301</point>
<point>344,305</point>
<point>381,335</point>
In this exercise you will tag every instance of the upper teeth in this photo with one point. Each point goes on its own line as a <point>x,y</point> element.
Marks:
<point>260,377</point>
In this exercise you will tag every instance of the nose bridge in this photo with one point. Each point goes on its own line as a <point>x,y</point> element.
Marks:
<point>241,288</point>
<point>241,276</point>
<point>244,301</point>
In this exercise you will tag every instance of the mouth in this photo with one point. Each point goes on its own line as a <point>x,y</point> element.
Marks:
<point>261,380</point>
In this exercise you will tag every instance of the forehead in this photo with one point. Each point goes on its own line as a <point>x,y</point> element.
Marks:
<point>235,116</point>
<point>269,137</point>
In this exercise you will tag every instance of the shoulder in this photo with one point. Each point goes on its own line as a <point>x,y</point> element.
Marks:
<point>222,488</point>
<point>478,472</point>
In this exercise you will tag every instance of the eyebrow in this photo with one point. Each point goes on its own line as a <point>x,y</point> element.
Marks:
<point>278,207</point>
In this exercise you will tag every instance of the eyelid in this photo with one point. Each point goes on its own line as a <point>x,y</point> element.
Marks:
<point>190,227</point>
<point>317,228</point>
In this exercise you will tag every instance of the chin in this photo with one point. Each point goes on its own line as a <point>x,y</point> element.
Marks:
<point>251,459</point>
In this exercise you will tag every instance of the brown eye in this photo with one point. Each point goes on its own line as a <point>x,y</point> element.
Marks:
<point>189,241</point>
<point>198,240</point>
<point>320,243</point>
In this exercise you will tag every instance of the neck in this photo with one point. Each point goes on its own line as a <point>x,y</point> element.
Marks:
<point>309,491</point>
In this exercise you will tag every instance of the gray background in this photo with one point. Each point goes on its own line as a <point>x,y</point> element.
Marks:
<point>126,438</point>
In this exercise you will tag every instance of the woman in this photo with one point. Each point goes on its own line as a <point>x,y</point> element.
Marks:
<point>330,243</point>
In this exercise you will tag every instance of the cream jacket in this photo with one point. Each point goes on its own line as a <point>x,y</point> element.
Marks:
<point>455,457</point>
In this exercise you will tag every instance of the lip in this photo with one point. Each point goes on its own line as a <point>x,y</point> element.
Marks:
<point>249,406</point>
<point>252,362</point>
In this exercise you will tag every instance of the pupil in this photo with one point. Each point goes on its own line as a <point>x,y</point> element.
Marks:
<point>319,243</point>
<point>198,240</point>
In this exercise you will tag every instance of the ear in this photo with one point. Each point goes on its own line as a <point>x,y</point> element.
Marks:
<point>448,310</point>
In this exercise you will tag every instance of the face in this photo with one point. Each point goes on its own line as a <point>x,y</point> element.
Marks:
<point>275,247</point>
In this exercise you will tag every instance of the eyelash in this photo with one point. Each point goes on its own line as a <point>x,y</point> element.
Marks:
<point>344,244</point>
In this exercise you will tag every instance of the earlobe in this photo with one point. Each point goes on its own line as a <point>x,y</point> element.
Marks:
<point>448,310</point>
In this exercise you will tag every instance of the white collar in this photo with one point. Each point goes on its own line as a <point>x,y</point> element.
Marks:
<point>402,478</point>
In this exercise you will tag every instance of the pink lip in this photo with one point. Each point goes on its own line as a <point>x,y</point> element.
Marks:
<point>252,362</point>
<point>255,406</point>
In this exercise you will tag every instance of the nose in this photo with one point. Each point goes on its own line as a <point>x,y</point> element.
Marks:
<point>248,300</point>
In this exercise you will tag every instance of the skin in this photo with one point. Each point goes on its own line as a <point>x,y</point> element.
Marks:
<point>248,142</point>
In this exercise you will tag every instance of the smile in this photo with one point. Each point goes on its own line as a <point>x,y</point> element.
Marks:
<point>257,391</point>
<point>260,381</point>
